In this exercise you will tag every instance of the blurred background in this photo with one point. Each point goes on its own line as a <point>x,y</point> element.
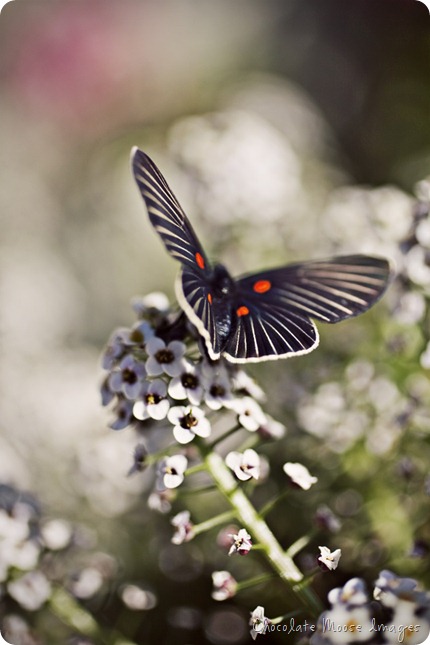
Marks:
<point>289,130</point>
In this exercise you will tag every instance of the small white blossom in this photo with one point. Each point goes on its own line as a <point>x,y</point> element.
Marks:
<point>155,301</point>
<point>272,429</point>
<point>164,358</point>
<point>217,385</point>
<point>87,583</point>
<point>244,465</point>
<point>124,413</point>
<point>250,415</point>
<point>243,383</point>
<point>56,534</point>
<point>30,590</point>
<point>170,471</point>
<point>353,593</point>
<point>348,624</point>
<point>328,558</point>
<point>224,585</point>
<point>188,422</point>
<point>299,475</point>
<point>184,528</point>
<point>126,379</point>
<point>154,403</point>
<point>258,622</point>
<point>242,543</point>
<point>187,385</point>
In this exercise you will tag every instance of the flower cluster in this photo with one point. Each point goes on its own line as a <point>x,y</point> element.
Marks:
<point>150,377</point>
<point>27,541</point>
<point>351,617</point>
<point>153,376</point>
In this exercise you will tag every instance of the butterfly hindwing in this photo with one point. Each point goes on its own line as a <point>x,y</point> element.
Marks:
<point>267,331</point>
<point>274,308</point>
<point>166,215</point>
<point>326,290</point>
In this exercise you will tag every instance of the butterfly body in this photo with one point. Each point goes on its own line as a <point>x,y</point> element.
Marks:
<point>259,316</point>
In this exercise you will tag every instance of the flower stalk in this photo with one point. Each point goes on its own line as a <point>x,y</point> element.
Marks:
<point>282,563</point>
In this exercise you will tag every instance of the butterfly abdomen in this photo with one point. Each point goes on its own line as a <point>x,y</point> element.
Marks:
<point>222,293</point>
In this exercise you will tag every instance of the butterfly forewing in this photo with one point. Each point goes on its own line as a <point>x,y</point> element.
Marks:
<point>195,298</point>
<point>166,215</point>
<point>327,290</point>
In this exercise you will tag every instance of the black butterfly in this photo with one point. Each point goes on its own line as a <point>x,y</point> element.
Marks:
<point>260,316</point>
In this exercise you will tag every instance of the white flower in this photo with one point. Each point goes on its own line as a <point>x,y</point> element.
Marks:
<point>346,625</point>
<point>217,386</point>
<point>31,590</point>
<point>242,382</point>
<point>154,403</point>
<point>170,471</point>
<point>184,528</point>
<point>352,593</point>
<point>188,422</point>
<point>250,414</point>
<point>155,301</point>
<point>187,385</point>
<point>244,465</point>
<point>328,558</point>
<point>56,534</point>
<point>258,622</point>
<point>87,583</point>
<point>128,379</point>
<point>242,543</point>
<point>417,267</point>
<point>272,429</point>
<point>224,585</point>
<point>124,413</point>
<point>164,358</point>
<point>299,475</point>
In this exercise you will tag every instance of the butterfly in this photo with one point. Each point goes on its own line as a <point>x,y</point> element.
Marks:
<point>259,316</point>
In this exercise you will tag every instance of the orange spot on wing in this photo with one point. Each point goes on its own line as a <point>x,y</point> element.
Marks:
<point>200,261</point>
<point>242,311</point>
<point>261,286</point>
<point>210,298</point>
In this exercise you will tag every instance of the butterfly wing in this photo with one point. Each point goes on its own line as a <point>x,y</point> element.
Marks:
<point>274,308</point>
<point>166,215</point>
<point>174,228</point>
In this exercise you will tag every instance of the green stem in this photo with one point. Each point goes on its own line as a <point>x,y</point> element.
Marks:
<point>247,514</point>
<point>256,580</point>
<point>272,503</point>
<point>210,488</point>
<point>67,609</point>
<point>198,468</point>
<point>214,521</point>
<point>224,436</point>
<point>298,545</point>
